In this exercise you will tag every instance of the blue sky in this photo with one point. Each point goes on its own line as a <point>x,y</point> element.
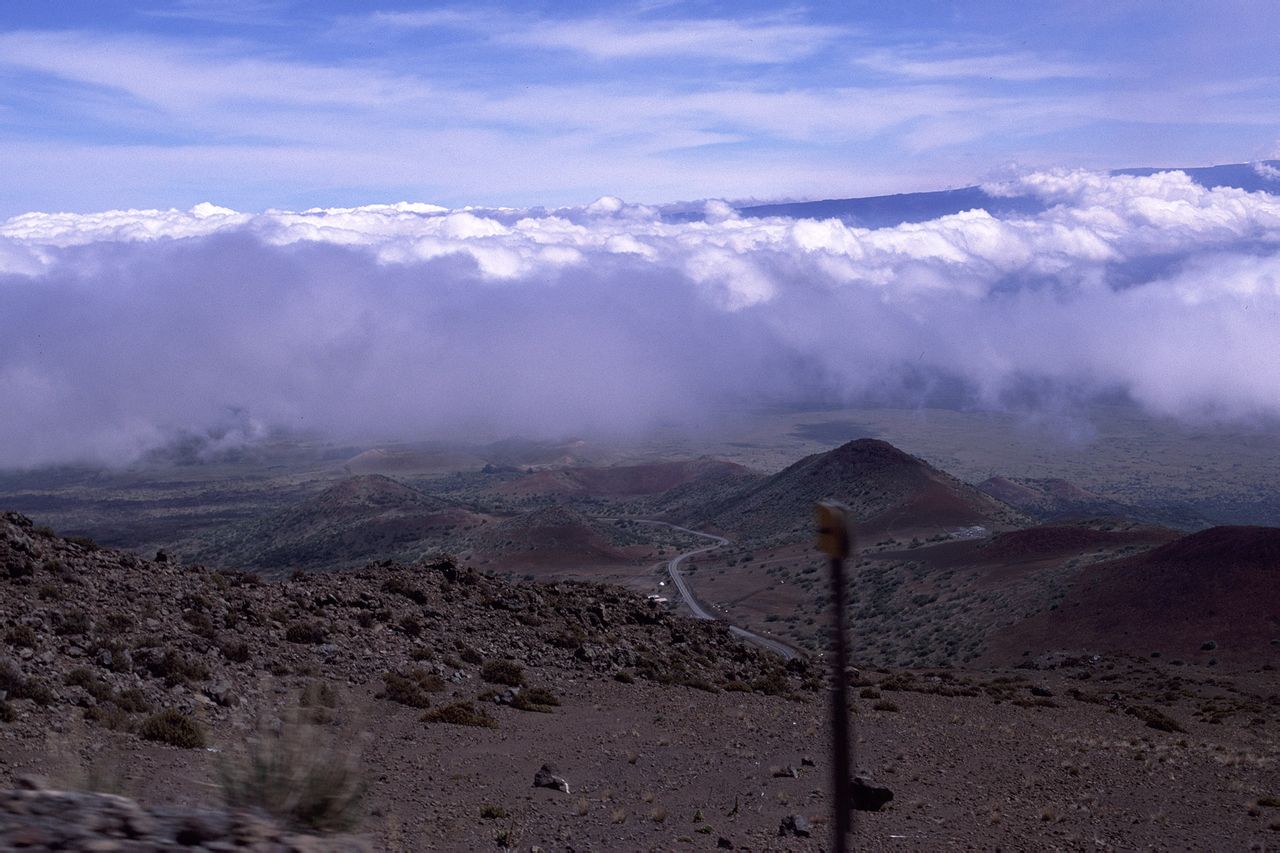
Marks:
<point>256,104</point>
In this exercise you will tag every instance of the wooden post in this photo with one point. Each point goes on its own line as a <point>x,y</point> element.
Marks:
<point>835,539</point>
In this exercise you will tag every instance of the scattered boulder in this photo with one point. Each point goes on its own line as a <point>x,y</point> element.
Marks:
<point>797,825</point>
<point>546,778</point>
<point>869,796</point>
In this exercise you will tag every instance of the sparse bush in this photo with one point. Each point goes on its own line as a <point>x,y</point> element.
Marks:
<point>174,728</point>
<point>400,586</point>
<point>299,778</point>
<point>306,633</point>
<point>109,717</point>
<point>7,714</point>
<point>18,566</point>
<point>318,694</point>
<point>94,686</point>
<point>773,683</point>
<point>201,624</point>
<point>21,637</point>
<point>470,655</point>
<point>698,683</point>
<point>84,542</point>
<point>71,623</point>
<point>411,688</point>
<point>411,627</point>
<point>132,701</point>
<point>460,714</point>
<point>17,686</point>
<point>885,705</point>
<point>236,651</point>
<point>535,699</point>
<point>489,811</point>
<point>624,676</point>
<point>176,669</point>
<point>116,623</point>
<point>502,672</point>
<point>567,639</point>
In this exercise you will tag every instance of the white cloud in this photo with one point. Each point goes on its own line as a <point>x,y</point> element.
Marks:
<point>1010,67</point>
<point>123,329</point>
<point>744,41</point>
<point>1267,171</point>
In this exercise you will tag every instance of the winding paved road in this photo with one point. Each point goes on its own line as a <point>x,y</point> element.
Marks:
<point>699,612</point>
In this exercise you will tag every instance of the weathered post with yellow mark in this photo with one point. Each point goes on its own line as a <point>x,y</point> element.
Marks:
<point>835,539</point>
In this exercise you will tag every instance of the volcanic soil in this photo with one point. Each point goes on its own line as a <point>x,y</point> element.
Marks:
<point>669,733</point>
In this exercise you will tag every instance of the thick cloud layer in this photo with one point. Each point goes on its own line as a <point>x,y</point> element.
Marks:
<point>127,330</point>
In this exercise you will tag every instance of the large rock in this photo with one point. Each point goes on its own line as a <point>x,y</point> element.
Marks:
<point>797,825</point>
<point>869,796</point>
<point>546,778</point>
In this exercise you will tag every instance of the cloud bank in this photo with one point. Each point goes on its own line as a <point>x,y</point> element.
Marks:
<point>127,330</point>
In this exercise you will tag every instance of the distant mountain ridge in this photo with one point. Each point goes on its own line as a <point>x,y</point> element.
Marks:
<point>889,210</point>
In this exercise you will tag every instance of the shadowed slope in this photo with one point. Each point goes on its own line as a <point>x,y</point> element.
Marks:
<point>361,518</point>
<point>1209,594</point>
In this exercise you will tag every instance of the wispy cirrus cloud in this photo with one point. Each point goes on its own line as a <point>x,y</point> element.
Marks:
<point>747,42</point>
<point>964,63</point>
<point>525,104</point>
<point>751,40</point>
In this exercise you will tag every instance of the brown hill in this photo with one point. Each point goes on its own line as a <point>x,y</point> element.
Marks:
<point>1046,541</point>
<point>356,520</point>
<point>1212,594</point>
<point>553,536</point>
<point>620,480</point>
<point>887,490</point>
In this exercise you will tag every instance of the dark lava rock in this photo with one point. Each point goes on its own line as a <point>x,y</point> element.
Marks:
<point>797,825</point>
<point>545,778</point>
<point>868,796</point>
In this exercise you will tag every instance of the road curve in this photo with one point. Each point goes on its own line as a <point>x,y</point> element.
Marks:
<point>699,612</point>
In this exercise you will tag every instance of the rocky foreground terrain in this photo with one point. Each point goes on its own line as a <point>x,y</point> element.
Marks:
<point>428,707</point>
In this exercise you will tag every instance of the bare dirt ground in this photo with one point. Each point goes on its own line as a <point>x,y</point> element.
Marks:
<point>662,768</point>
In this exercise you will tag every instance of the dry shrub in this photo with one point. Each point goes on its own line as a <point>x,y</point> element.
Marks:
<point>173,727</point>
<point>411,688</point>
<point>460,714</point>
<point>502,672</point>
<point>18,686</point>
<point>298,776</point>
<point>535,699</point>
<point>306,633</point>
